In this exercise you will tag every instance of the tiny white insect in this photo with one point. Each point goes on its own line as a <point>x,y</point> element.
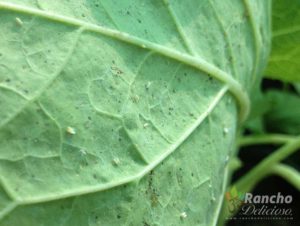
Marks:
<point>19,21</point>
<point>148,85</point>
<point>146,125</point>
<point>213,199</point>
<point>227,159</point>
<point>183,215</point>
<point>116,161</point>
<point>82,151</point>
<point>71,130</point>
<point>144,46</point>
<point>135,98</point>
<point>225,130</point>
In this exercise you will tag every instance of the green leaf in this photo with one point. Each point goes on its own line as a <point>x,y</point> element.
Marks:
<point>297,87</point>
<point>283,115</point>
<point>259,107</point>
<point>285,56</point>
<point>123,112</point>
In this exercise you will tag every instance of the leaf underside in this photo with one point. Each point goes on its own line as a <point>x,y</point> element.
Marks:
<point>99,127</point>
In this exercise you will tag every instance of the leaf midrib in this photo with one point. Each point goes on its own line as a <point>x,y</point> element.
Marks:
<point>196,62</point>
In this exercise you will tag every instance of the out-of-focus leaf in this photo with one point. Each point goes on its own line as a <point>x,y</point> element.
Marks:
<point>285,55</point>
<point>284,113</point>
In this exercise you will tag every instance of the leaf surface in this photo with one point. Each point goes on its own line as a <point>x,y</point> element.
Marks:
<point>123,112</point>
<point>283,115</point>
<point>285,55</point>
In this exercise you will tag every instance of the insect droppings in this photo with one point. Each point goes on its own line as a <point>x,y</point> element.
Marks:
<point>183,215</point>
<point>19,21</point>
<point>71,130</point>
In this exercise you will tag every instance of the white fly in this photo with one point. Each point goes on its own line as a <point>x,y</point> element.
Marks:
<point>183,215</point>
<point>71,130</point>
<point>19,21</point>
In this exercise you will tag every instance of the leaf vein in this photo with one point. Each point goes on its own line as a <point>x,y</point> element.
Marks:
<point>186,41</point>
<point>257,39</point>
<point>47,85</point>
<point>86,190</point>
<point>199,63</point>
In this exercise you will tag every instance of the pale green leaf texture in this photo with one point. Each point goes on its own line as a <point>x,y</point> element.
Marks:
<point>123,112</point>
<point>283,115</point>
<point>285,55</point>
